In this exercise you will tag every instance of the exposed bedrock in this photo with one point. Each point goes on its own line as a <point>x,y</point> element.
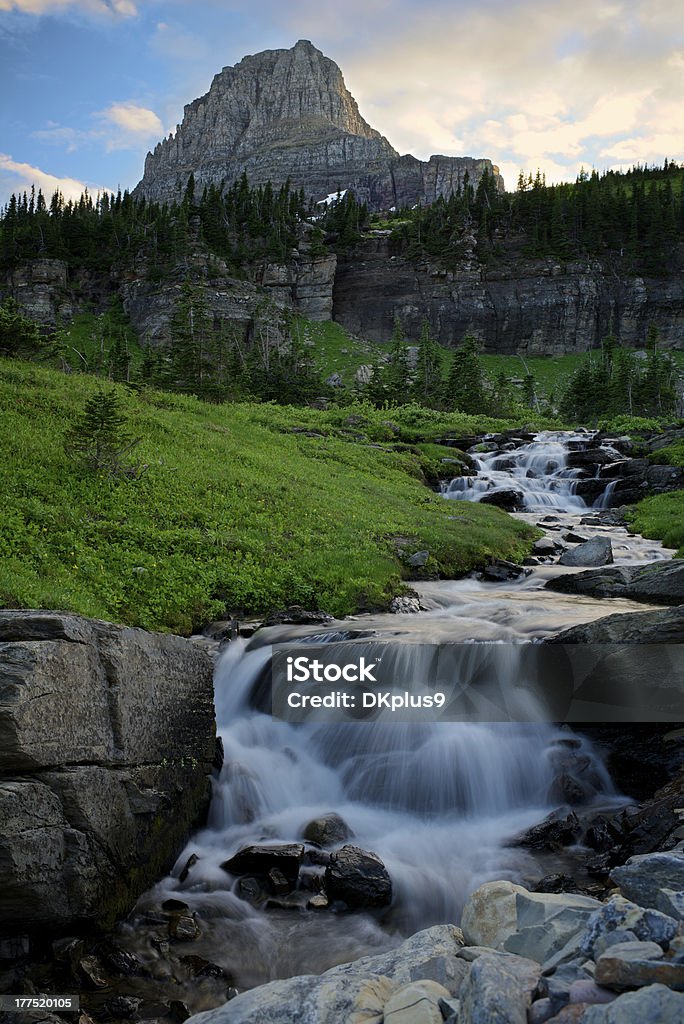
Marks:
<point>107,737</point>
<point>535,307</point>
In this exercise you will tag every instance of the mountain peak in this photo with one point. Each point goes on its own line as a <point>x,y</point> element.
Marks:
<point>283,114</point>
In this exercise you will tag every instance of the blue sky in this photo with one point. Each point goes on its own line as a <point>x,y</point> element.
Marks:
<point>88,86</point>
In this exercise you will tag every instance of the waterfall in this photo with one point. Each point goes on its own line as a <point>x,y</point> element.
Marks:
<point>439,802</point>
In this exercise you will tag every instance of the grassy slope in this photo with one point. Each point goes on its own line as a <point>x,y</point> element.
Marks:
<point>662,515</point>
<point>235,510</point>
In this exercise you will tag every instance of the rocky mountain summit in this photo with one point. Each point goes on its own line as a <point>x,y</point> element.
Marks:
<point>288,114</point>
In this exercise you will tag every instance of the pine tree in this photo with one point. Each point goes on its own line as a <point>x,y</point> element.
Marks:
<point>100,440</point>
<point>428,381</point>
<point>465,388</point>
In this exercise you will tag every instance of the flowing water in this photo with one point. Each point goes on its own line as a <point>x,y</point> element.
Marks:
<point>436,801</point>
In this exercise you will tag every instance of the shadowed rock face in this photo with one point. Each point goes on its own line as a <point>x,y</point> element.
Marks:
<point>107,738</point>
<point>287,114</point>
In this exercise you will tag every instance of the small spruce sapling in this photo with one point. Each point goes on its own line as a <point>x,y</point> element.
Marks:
<point>100,440</point>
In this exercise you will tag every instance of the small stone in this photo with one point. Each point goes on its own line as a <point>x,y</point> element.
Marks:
<point>189,864</point>
<point>635,964</point>
<point>544,546</point>
<point>278,881</point>
<point>318,902</point>
<point>174,906</point>
<point>618,913</point>
<point>259,859</point>
<point>418,559</point>
<point>587,991</point>
<point>183,928</point>
<point>327,830</point>
<point>93,970</point>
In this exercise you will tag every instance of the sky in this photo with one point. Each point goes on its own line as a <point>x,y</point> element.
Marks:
<point>87,87</point>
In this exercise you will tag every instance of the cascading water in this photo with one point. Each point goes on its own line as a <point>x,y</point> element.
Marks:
<point>437,801</point>
<point>538,471</point>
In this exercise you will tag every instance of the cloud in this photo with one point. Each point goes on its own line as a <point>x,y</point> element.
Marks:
<point>136,121</point>
<point>124,125</point>
<point>112,8</point>
<point>17,177</point>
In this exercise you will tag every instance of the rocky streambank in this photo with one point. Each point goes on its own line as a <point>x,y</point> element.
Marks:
<point>520,957</point>
<point>107,744</point>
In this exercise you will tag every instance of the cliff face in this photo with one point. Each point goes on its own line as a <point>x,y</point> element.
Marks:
<point>287,114</point>
<point>533,307</point>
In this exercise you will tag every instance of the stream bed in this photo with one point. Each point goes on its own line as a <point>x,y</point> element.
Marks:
<point>438,802</point>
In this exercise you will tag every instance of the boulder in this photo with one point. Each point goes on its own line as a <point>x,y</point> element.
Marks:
<point>502,571</point>
<point>654,1004</point>
<point>259,860</point>
<point>358,878</point>
<point>417,1003</point>
<point>557,830</point>
<point>498,990</point>
<point>619,914</point>
<point>635,964</point>
<point>664,626</point>
<point>659,582</point>
<point>594,552</point>
<point>107,737</point>
<point>642,877</point>
<point>327,830</point>
<point>509,499</point>
<point>544,546</point>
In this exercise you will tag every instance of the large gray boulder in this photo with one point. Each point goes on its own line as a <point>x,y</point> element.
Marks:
<point>659,582</point>
<point>594,552</point>
<point>353,993</point>
<point>664,626</point>
<point>107,737</point>
<point>643,877</point>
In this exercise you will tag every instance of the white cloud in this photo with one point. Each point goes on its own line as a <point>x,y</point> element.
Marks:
<point>17,177</point>
<point>116,8</point>
<point>138,121</point>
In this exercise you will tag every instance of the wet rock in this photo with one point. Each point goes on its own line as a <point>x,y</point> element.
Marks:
<point>358,878</point>
<point>569,789</point>
<point>252,889</point>
<point>184,928</point>
<point>179,1011</point>
<point>656,627</point>
<point>417,1003</point>
<point>544,546</point>
<point>405,605</point>
<point>618,913</point>
<point>198,967</point>
<point>595,552</point>
<point>93,970</point>
<point>659,582</point>
<point>498,990</point>
<point>574,538</point>
<point>510,500</point>
<point>189,864</point>
<point>557,830</point>
<point>327,830</point>
<point>295,615</point>
<point>287,857</point>
<point>642,877</point>
<point>501,571</point>
<point>278,882</point>
<point>318,902</point>
<point>123,1006</point>
<point>654,1004</point>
